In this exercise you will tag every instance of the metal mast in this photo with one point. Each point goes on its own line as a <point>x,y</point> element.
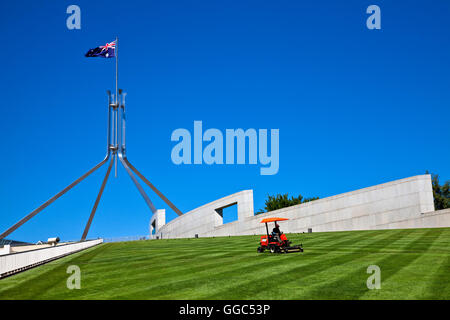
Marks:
<point>116,53</point>
<point>116,148</point>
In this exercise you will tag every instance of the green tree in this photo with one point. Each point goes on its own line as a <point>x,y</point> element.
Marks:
<point>441,193</point>
<point>282,201</point>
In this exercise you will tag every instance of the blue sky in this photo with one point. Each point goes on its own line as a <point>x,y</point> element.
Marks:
<point>355,107</point>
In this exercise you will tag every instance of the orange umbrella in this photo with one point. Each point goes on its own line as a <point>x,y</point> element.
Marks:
<point>273,219</point>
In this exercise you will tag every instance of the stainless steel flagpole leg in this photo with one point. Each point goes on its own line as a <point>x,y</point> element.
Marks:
<point>130,168</point>
<point>140,175</point>
<point>116,116</point>
<point>70,186</point>
<point>51,200</point>
<point>99,196</point>
<point>137,184</point>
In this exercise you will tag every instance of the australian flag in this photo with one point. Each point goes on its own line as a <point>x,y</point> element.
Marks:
<point>106,51</point>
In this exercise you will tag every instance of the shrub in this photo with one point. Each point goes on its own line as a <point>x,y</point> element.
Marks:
<point>282,201</point>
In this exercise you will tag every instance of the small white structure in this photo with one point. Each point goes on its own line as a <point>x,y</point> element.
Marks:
<point>5,250</point>
<point>53,241</point>
<point>156,222</point>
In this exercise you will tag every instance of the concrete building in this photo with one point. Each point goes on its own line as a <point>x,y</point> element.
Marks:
<point>404,203</point>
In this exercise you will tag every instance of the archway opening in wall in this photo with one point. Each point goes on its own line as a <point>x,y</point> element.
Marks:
<point>153,227</point>
<point>228,213</point>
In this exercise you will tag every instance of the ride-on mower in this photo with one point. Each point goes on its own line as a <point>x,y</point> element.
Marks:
<point>277,244</point>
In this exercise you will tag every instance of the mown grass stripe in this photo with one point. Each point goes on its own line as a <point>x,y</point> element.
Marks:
<point>357,279</point>
<point>324,262</point>
<point>230,268</point>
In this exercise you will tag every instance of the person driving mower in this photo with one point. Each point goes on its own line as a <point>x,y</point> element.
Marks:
<point>276,233</point>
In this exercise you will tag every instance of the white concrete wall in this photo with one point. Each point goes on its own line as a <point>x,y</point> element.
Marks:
<point>207,217</point>
<point>404,203</point>
<point>24,260</point>
<point>435,219</point>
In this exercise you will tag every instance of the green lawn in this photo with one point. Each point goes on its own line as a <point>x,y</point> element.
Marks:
<point>415,264</point>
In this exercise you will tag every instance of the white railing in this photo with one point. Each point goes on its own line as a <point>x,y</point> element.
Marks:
<point>126,238</point>
<point>16,262</point>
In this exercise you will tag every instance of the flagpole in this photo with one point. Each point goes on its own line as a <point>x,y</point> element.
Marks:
<point>117,70</point>
<point>116,52</point>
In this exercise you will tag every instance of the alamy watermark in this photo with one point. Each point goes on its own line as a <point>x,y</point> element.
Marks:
<point>374,281</point>
<point>374,20</point>
<point>235,139</point>
<point>74,20</point>
<point>74,280</point>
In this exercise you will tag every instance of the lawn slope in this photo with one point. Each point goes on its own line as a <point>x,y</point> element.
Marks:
<point>414,264</point>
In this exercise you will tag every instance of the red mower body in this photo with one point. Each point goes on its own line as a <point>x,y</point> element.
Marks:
<point>275,245</point>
